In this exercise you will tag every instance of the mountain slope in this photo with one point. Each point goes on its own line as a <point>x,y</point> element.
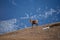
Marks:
<point>35,33</point>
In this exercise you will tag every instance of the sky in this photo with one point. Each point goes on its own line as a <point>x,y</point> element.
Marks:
<point>15,14</point>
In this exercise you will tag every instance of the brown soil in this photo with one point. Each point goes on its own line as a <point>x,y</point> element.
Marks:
<point>35,33</point>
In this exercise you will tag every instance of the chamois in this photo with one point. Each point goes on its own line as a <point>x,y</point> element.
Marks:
<point>34,22</point>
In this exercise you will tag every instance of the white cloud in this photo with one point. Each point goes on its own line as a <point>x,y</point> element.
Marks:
<point>26,17</point>
<point>34,17</point>
<point>25,26</point>
<point>52,11</point>
<point>49,13</point>
<point>8,26</point>
<point>42,14</point>
<point>13,2</point>
<point>58,11</point>
<point>38,10</point>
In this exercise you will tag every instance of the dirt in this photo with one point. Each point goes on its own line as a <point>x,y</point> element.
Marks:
<point>35,33</point>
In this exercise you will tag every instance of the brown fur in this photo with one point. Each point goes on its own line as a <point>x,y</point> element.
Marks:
<point>34,22</point>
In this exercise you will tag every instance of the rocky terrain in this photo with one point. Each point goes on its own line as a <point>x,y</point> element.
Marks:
<point>35,33</point>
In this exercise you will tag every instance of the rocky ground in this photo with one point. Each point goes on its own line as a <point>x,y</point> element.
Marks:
<point>35,33</point>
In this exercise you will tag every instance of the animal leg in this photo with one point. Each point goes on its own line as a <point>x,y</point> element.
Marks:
<point>32,25</point>
<point>37,24</point>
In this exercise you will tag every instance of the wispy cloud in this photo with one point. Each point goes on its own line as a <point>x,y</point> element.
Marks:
<point>23,25</point>
<point>38,10</point>
<point>33,17</point>
<point>13,2</point>
<point>58,11</point>
<point>29,17</point>
<point>44,14</point>
<point>50,12</point>
<point>26,17</point>
<point>8,26</point>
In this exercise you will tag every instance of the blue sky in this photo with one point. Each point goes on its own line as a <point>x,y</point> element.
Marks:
<point>15,14</point>
<point>16,8</point>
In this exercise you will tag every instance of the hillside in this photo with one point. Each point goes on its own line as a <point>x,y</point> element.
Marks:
<point>37,33</point>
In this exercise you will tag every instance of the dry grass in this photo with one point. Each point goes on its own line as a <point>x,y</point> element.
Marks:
<point>37,33</point>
